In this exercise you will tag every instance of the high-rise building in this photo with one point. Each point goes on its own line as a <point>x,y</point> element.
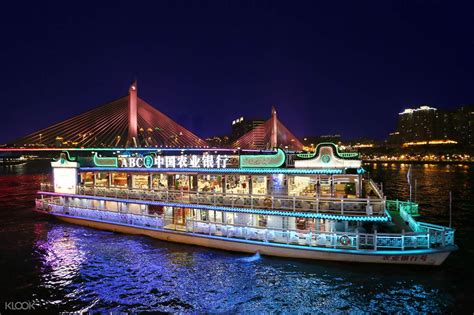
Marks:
<point>269,135</point>
<point>417,124</point>
<point>425,124</point>
<point>463,124</point>
<point>241,126</point>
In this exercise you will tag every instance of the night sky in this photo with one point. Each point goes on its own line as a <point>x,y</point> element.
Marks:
<point>327,66</point>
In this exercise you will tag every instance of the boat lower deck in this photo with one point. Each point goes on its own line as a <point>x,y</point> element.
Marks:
<point>416,257</point>
<point>354,243</point>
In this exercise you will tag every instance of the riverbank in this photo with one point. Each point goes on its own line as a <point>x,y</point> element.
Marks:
<point>418,161</point>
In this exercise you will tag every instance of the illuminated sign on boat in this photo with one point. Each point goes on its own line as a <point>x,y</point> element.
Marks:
<point>181,161</point>
<point>327,156</point>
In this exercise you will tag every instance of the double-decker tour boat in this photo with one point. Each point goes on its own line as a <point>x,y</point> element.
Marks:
<point>318,205</point>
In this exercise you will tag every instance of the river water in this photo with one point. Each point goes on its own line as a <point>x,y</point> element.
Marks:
<point>63,267</point>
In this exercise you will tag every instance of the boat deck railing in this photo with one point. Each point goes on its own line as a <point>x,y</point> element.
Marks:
<point>327,205</point>
<point>371,185</point>
<point>407,206</point>
<point>432,236</point>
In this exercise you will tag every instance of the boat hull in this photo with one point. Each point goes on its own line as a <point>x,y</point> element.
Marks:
<point>409,257</point>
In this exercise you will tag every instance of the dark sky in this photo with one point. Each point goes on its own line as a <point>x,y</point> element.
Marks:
<point>328,66</point>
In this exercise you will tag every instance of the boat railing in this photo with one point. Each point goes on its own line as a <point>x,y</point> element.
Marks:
<point>407,206</point>
<point>344,240</point>
<point>437,233</point>
<point>55,205</point>
<point>308,237</point>
<point>375,188</point>
<point>328,205</point>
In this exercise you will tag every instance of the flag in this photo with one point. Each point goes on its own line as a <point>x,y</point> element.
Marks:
<point>409,175</point>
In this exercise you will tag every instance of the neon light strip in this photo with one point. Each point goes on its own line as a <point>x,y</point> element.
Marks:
<point>105,161</point>
<point>217,170</point>
<point>275,160</point>
<point>348,154</point>
<point>341,155</point>
<point>69,158</point>
<point>449,248</point>
<point>155,149</point>
<point>226,209</point>
<point>308,155</point>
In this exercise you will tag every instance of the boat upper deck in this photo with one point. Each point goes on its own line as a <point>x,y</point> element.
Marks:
<point>325,181</point>
<point>348,207</point>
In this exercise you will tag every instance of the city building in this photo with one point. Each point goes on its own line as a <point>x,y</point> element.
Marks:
<point>417,124</point>
<point>463,124</point>
<point>218,141</point>
<point>429,125</point>
<point>394,138</point>
<point>241,126</point>
<point>271,134</point>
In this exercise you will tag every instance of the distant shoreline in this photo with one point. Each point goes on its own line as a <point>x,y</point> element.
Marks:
<point>417,162</point>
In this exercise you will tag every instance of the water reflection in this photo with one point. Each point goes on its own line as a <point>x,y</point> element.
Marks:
<point>103,271</point>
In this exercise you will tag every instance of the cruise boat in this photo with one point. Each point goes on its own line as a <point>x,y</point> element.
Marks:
<point>319,205</point>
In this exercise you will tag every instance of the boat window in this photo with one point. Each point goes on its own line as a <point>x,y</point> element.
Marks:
<point>119,179</point>
<point>87,178</point>
<point>302,185</point>
<point>237,184</point>
<point>160,181</point>
<point>202,215</point>
<point>155,209</point>
<point>345,186</point>
<point>210,183</point>
<point>215,216</point>
<point>261,220</point>
<point>301,223</point>
<point>259,185</point>
<point>140,181</point>
<point>181,182</point>
<point>102,179</point>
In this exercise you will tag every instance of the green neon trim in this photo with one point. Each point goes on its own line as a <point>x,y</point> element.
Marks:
<point>263,160</point>
<point>308,155</point>
<point>105,161</point>
<point>348,154</point>
<point>219,170</point>
<point>148,161</point>
<point>342,155</point>
<point>69,158</point>
<point>338,153</point>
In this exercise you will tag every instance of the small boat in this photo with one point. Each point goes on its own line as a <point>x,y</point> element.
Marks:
<point>319,206</point>
<point>6,161</point>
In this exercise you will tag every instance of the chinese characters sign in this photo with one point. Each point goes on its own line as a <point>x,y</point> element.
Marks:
<point>405,258</point>
<point>181,161</point>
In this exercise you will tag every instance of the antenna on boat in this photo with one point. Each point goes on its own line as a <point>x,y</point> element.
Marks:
<point>409,179</point>
<point>450,206</point>
<point>414,197</point>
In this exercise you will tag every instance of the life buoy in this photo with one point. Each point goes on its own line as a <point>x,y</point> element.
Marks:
<point>345,240</point>
<point>267,202</point>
